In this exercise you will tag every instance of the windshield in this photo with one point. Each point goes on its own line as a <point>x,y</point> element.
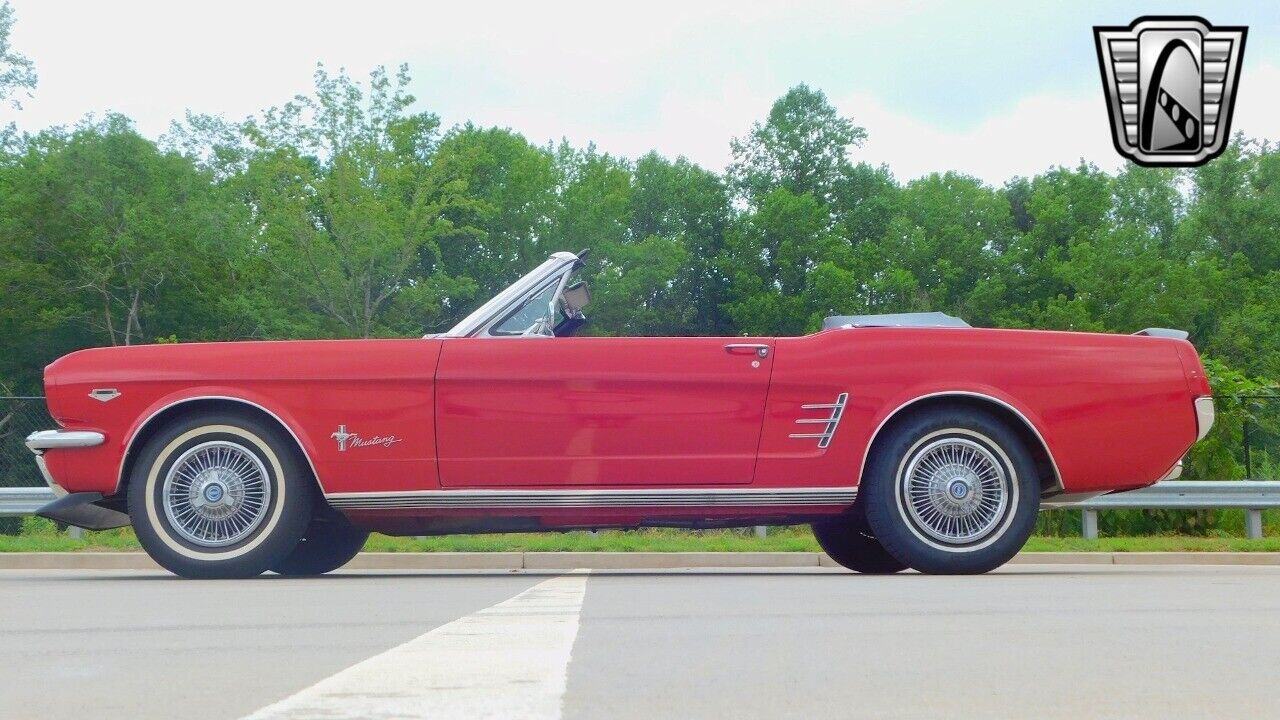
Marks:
<point>535,312</point>
<point>516,304</point>
<point>476,319</point>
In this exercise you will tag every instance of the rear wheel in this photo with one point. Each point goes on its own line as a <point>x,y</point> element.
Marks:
<point>329,544</point>
<point>848,540</point>
<point>219,495</point>
<point>953,491</point>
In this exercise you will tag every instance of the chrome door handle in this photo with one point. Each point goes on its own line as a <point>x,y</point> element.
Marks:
<point>758,349</point>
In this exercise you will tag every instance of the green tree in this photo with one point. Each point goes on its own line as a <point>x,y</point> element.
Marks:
<point>109,212</point>
<point>1057,209</point>
<point>802,147</point>
<point>1247,331</point>
<point>771,256</point>
<point>344,222</point>
<point>17,72</point>
<point>594,212</point>
<point>507,190</point>
<point>108,241</point>
<point>687,208</point>
<point>948,235</point>
<point>1236,206</point>
<point>866,200</point>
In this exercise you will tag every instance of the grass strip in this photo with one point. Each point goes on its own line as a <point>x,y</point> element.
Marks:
<point>41,538</point>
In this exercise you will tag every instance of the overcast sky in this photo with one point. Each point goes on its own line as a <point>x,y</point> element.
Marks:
<point>995,90</point>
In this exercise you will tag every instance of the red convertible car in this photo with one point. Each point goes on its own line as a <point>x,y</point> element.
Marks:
<point>905,440</point>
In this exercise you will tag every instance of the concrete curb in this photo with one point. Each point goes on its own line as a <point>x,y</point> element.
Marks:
<point>624,560</point>
<point>1184,558</point>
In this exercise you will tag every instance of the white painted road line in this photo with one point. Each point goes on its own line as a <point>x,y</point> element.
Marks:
<point>509,660</point>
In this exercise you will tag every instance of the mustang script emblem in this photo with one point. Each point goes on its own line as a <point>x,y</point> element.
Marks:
<point>353,440</point>
<point>1171,87</point>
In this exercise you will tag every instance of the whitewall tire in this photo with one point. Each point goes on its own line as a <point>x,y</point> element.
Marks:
<point>219,495</point>
<point>951,490</point>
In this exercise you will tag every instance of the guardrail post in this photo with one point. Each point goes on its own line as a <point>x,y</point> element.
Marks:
<point>1253,524</point>
<point>1248,458</point>
<point>1090,524</point>
<point>76,533</point>
<point>762,531</point>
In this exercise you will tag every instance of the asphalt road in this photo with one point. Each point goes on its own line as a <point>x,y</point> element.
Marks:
<point>1028,641</point>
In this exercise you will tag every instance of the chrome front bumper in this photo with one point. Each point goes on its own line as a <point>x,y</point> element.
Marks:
<point>43,440</point>
<point>77,509</point>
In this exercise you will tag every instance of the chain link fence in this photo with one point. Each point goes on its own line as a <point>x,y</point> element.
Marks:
<point>19,417</point>
<point>1259,418</point>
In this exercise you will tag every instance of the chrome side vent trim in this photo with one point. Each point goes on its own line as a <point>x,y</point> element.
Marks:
<point>104,394</point>
<point>829,423</point>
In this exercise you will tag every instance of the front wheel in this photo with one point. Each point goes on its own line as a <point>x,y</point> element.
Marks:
<point>951,491</point>
<point>219,495</point>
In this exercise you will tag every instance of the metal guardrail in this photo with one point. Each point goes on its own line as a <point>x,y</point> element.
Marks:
<point>23,500</point>
<point>1193,495</point>
<point>1252,496</point>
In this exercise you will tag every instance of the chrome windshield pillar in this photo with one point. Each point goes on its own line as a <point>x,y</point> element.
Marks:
<point>560,265</point>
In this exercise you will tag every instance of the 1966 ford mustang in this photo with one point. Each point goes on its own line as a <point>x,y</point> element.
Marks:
<point>906,440</point>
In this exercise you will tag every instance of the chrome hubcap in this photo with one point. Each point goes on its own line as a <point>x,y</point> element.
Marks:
<point>956,490</point>
<point>216,494</point>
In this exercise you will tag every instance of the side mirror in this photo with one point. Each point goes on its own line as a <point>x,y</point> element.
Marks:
<point>576,297</point>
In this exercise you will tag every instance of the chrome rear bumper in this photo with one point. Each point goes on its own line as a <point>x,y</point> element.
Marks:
<point>1205,415</point>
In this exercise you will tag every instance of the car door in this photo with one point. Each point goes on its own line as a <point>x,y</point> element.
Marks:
<point>539,411</point>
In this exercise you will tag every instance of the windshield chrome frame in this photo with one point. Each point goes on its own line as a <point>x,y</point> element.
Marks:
<point>479,321</point>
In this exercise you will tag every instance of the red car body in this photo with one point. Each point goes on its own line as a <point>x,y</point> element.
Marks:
<point>452,434</point>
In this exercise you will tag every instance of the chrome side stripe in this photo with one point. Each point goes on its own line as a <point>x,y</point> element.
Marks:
<point>675,497</point>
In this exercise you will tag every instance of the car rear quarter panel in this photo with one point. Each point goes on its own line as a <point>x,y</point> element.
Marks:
<point>1114,410</point>
<point>373,387</point>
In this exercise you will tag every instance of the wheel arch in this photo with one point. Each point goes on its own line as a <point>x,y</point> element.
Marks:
<point>1047,467</point>
<point>163,415</point>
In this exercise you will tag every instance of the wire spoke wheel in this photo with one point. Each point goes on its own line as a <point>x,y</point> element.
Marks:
<point>216,494</point>
<point>956,490</point>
